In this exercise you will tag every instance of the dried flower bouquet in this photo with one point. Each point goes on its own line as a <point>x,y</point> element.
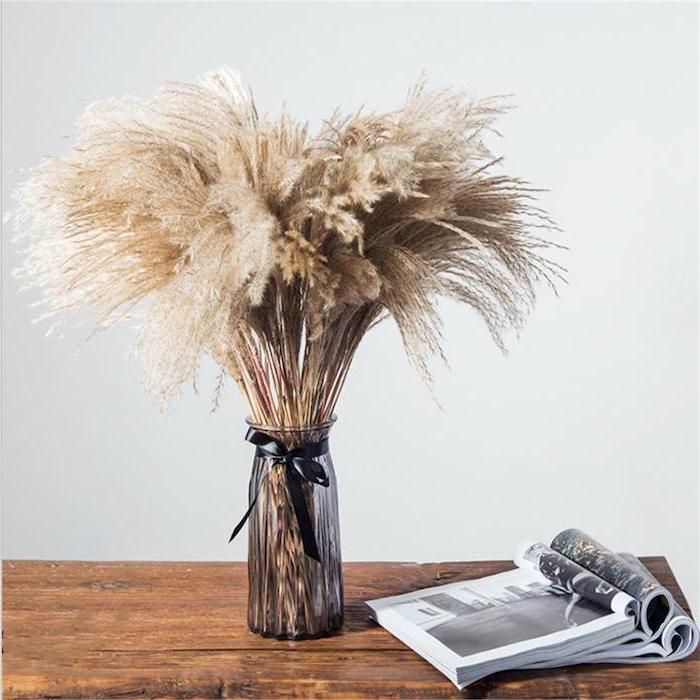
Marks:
<point>274,252</point>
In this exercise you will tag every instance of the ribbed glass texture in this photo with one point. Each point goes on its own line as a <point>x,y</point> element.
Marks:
<point>290,595</point>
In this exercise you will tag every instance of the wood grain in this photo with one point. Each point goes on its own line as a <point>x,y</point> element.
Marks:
<point>143,629</point>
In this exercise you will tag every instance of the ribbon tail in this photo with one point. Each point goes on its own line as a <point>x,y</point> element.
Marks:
<point>245,517</point>
<point>296,491</point>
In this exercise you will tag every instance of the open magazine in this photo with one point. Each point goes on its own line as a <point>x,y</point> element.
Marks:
<point>572,602</point>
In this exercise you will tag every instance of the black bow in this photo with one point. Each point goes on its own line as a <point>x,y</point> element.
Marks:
<point>299,465</point>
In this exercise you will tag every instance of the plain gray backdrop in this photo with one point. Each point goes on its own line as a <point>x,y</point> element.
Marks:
<point>591,421</point>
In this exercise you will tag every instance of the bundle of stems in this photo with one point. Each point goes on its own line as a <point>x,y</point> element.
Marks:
<point>274,251</point>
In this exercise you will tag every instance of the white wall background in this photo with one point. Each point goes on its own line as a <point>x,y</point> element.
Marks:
<point>590,422</point>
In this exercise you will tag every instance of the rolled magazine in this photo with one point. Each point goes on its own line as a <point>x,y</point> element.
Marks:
<point>569,603</point>
<point>664,632</point>
<point>570,577</point>
<point>654,600</point>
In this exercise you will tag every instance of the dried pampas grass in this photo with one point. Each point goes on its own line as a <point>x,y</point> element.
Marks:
<point>275,251</point>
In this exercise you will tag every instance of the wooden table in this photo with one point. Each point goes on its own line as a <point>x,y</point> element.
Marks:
<point>142,629</point>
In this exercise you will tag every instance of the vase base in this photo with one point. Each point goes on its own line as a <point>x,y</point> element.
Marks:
<point>299,636</point>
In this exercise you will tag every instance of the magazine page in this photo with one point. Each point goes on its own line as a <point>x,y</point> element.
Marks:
<point>572,578</point>
<point>654,600</point>
<point>472,628</point>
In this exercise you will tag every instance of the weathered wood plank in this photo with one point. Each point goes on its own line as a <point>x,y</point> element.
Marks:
<point>127,629</point>
<point>304,674</point>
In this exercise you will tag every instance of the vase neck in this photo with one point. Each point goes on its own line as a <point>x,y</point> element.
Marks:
<point>293,436</point>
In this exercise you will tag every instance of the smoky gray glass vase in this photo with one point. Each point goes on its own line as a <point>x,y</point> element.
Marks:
<point>290,594</point>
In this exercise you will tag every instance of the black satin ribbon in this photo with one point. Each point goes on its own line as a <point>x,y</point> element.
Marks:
<point>300,466</point>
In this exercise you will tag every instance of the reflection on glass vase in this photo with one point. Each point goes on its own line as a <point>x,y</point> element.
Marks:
<point>290,594</point>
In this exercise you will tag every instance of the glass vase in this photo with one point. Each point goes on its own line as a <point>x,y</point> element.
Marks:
<point>290,594</point>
